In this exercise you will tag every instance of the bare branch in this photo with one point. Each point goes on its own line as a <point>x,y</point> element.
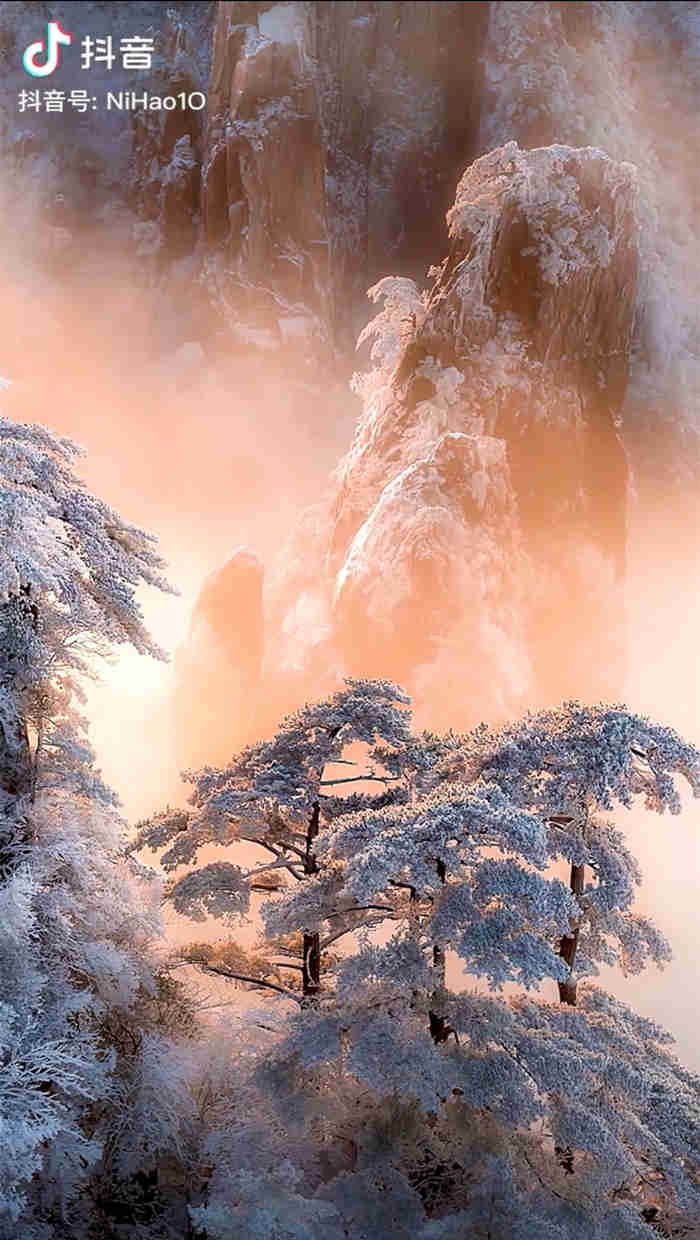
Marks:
<point>360,908</point>
<point>264,869</point>
<point>241,977</point>
<point>358,779</point>
<point>250,839</point>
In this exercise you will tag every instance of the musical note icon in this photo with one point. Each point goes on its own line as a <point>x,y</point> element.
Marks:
<point>54,38</point>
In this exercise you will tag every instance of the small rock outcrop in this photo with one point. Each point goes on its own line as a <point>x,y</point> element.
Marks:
<point>217,670</point>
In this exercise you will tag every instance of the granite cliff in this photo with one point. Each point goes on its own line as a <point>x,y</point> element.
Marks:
<point>529,416</point>
<point>476,529</point>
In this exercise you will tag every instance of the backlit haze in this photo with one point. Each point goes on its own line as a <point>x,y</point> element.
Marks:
<point>211,454</point>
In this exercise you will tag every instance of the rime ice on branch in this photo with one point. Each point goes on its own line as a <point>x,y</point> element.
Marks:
<point>69,571</point>
<point>92,1091</point>
<point>573,1111</point>
<point>273,794</point>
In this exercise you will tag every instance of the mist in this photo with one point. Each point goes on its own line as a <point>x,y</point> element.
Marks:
<point>215,449</point>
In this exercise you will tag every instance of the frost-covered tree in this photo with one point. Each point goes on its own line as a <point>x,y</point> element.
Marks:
<point>69,571</point>
<point>571,766</point>
<point>381,1133</point>
<point>277,795</point>
<point>393,327</point>
<point>92,1087</point>
<point>468,861</point>
<point>527,1115</point>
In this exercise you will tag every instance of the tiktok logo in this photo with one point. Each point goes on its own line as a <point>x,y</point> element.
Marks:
<point>54,37</point>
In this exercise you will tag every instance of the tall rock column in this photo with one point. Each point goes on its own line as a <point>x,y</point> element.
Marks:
<point>522,340</point>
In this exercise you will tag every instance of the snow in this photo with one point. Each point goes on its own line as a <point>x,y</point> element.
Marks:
<point>281,23</point>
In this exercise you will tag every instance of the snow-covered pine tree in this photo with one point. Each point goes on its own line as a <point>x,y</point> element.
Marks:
<point>92,1092</point>
<point>544,1118</point>
<point>69,570</point>
<point>405,1138</point>
<point>571,766</point>
<point>280,795</point>
<point>468,860</point>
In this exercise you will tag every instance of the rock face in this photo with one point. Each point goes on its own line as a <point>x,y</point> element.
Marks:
<point>537,301</point>
<point>330,150</point>
<point>262,176</point>
<point>329,147</point>
<point>499,419</point>
<point>334,136</point>
<point>444,532</point>
<point>103,154</point>
<point>475,533</point>
<point>335,133</point>
<point>626,79</point>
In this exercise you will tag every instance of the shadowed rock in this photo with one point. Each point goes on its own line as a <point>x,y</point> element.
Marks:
<point>218,667</point>
<point>335,135</point>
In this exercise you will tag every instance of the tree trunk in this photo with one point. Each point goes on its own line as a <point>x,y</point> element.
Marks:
<point>16,770</point>
<point>569,942</point>
<point>311,961</point>
<point>439,1028</point>
<point>311,966</point>
<point>19,620</point>
<point>16,778</point>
